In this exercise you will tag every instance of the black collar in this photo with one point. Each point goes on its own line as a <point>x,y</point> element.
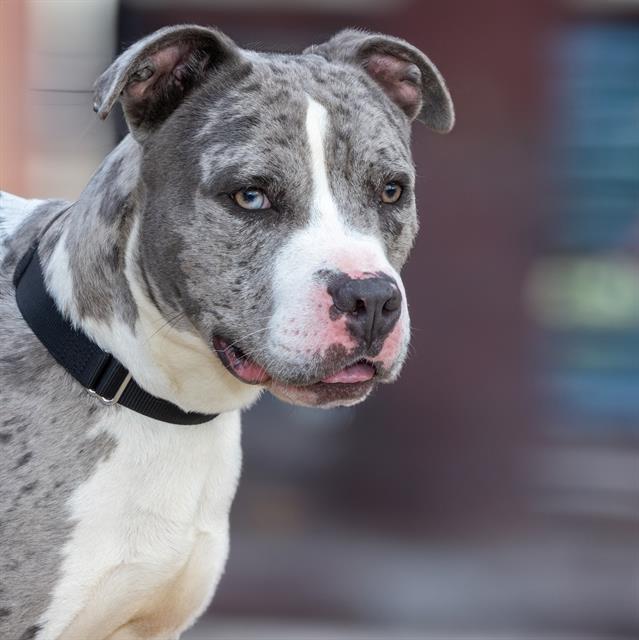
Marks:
<point>104,377</point>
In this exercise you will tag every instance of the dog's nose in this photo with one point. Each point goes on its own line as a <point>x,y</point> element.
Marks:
<point>373,304</point>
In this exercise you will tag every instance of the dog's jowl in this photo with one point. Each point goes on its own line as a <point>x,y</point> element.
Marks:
<point>248,234</point>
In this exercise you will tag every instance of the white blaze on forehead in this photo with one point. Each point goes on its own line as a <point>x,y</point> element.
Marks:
<point>323,205</point>
<point>328,236</point>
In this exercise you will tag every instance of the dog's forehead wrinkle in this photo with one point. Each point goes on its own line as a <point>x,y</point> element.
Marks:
<point>352,101</point>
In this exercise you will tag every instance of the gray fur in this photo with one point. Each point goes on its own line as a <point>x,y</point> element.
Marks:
<point>236,120</point>
<point>104,213</point>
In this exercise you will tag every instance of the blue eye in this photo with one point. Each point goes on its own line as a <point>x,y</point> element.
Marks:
<point>391,192</point>
<point>252,199</point>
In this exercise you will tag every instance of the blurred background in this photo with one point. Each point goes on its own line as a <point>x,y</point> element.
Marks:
<point>493,492</point>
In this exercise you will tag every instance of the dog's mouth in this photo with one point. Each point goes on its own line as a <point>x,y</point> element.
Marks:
<point>239,364</point>
<point>350,379</point>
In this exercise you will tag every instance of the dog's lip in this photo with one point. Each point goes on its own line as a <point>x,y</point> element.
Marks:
<point>247,370</point>
<point>322,393</point>
<point>242,367</point>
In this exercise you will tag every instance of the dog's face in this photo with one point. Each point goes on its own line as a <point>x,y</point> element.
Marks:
<point>281,189</point>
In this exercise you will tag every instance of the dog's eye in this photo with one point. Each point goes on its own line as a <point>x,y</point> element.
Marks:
<point>391,192</point>
<point>251,198</point>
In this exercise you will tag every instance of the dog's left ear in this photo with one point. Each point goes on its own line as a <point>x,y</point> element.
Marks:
<point>154,75</point>
<point>404,73</point>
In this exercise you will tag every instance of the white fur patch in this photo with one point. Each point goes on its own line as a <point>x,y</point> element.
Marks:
<point>59,280</point>
<point>139,520</point>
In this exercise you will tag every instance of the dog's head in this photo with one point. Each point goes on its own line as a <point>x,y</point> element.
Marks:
<point>278,199</point>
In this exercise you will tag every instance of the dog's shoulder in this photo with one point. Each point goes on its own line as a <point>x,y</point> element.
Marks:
<point>21,219</point>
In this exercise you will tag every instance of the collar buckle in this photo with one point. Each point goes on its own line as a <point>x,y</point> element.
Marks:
<point>110,380</point>
<point>118,394</point>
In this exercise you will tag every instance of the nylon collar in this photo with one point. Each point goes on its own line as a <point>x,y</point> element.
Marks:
<point>100,373</point>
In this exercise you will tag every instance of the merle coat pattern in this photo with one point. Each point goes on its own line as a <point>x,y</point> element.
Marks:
<point>115,525</point>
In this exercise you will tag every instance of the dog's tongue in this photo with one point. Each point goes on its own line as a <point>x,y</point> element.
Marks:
<point>359,372</point>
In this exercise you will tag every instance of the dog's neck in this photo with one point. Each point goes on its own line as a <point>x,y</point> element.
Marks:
<point>95,273</point>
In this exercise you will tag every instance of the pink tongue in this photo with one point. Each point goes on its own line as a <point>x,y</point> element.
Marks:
<point>355,373</point>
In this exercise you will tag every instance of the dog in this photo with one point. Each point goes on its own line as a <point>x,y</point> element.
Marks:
<point>247,234</point>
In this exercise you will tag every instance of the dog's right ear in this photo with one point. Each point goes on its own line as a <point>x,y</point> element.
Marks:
<point>155,74</point>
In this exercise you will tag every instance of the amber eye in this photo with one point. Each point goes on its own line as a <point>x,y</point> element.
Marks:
<point>391,192</point>
<point>252,199</point>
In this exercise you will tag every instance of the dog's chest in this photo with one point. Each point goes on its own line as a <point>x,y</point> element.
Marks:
<point>160,500</point>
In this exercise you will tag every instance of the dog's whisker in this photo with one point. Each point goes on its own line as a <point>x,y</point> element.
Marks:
<point>167,323</point>
<point>248,335</point>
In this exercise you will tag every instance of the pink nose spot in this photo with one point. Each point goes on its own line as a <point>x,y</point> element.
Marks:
<point>327,331</point>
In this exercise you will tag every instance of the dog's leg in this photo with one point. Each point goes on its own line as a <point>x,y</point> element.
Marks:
<point>162,614</point>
